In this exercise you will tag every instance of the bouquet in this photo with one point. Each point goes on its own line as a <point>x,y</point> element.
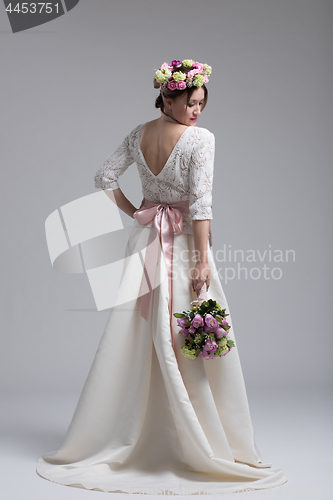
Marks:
<point>205,330</point>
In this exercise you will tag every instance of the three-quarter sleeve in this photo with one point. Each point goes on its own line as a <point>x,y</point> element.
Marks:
<point>114,166</point>
<point>201,177</point>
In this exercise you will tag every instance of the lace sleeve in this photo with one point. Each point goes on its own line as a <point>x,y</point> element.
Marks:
<point>114,166</point>
<point>201,177</point>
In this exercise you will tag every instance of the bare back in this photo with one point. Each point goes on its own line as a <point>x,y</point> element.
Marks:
<point>157,141</point>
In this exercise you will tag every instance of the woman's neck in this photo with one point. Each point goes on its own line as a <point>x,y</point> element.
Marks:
<point>168,118</point>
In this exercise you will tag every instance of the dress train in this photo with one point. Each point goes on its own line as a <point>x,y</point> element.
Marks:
<point>149,420</point>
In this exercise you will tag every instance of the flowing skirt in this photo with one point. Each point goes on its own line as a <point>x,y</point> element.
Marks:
<point>149,420</point>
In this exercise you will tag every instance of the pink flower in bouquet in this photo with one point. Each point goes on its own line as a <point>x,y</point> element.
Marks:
<point>211,321</point>
<point>191,329</point>
<point>224,322</point>
<point>172,85</point>
<point>197,321</point>
<point>220,332</point>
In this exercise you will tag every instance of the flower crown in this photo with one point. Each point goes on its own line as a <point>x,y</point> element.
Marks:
<point>169,78</point>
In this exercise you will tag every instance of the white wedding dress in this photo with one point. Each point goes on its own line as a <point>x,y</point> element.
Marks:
<point>149,420</point>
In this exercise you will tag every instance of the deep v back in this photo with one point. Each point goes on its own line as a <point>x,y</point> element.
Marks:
<point>173,149</point>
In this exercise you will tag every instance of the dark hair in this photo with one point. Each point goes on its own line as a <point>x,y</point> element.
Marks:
<point>174,94</point>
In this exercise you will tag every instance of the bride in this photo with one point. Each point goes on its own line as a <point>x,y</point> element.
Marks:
<point>150,420</point>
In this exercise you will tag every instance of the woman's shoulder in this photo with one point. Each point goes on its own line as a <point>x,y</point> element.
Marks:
<point>203,133</point>
<point>201,137</point>
<point>135,130</point>
<point>133,136</point>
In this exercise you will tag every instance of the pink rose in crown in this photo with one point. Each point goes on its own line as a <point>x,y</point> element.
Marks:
<point>181,85</point>
<point>166,66</point>
<point>176,63</point>
<point>211,321</point>
<point>172,85</point>
<point>193,72</point>
<point>197,321</point>
<point>198,66</point>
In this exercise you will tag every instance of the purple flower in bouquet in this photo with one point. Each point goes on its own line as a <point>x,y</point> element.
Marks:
<point>208,329</point>
<point>210,345</point>
<point>220,332</point>
<point>211,321</point>
<point>185,332</point>
<point>197,321</point>
<point>182,321</point>
<point>191,329</point>
<point>224,322</point>
<point>209,349</point>
<point>206,354</point>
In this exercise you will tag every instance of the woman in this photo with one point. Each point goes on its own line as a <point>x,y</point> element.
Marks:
<point>150,420</point>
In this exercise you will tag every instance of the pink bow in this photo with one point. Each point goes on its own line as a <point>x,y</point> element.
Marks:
<point>166,218</point>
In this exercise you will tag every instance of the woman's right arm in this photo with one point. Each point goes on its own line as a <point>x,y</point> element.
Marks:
<point>113,167</point>
<point>118,197</point>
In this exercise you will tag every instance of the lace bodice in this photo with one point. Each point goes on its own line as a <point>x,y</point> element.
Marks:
<point>187,174</point>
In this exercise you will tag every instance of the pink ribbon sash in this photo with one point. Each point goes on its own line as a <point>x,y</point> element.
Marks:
<point>165,218</point>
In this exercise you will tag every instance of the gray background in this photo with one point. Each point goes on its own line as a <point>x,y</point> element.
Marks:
<point>70,96</point>
<point>70,92</point>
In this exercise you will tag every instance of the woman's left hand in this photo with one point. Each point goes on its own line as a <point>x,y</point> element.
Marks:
<point>200,274</point>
